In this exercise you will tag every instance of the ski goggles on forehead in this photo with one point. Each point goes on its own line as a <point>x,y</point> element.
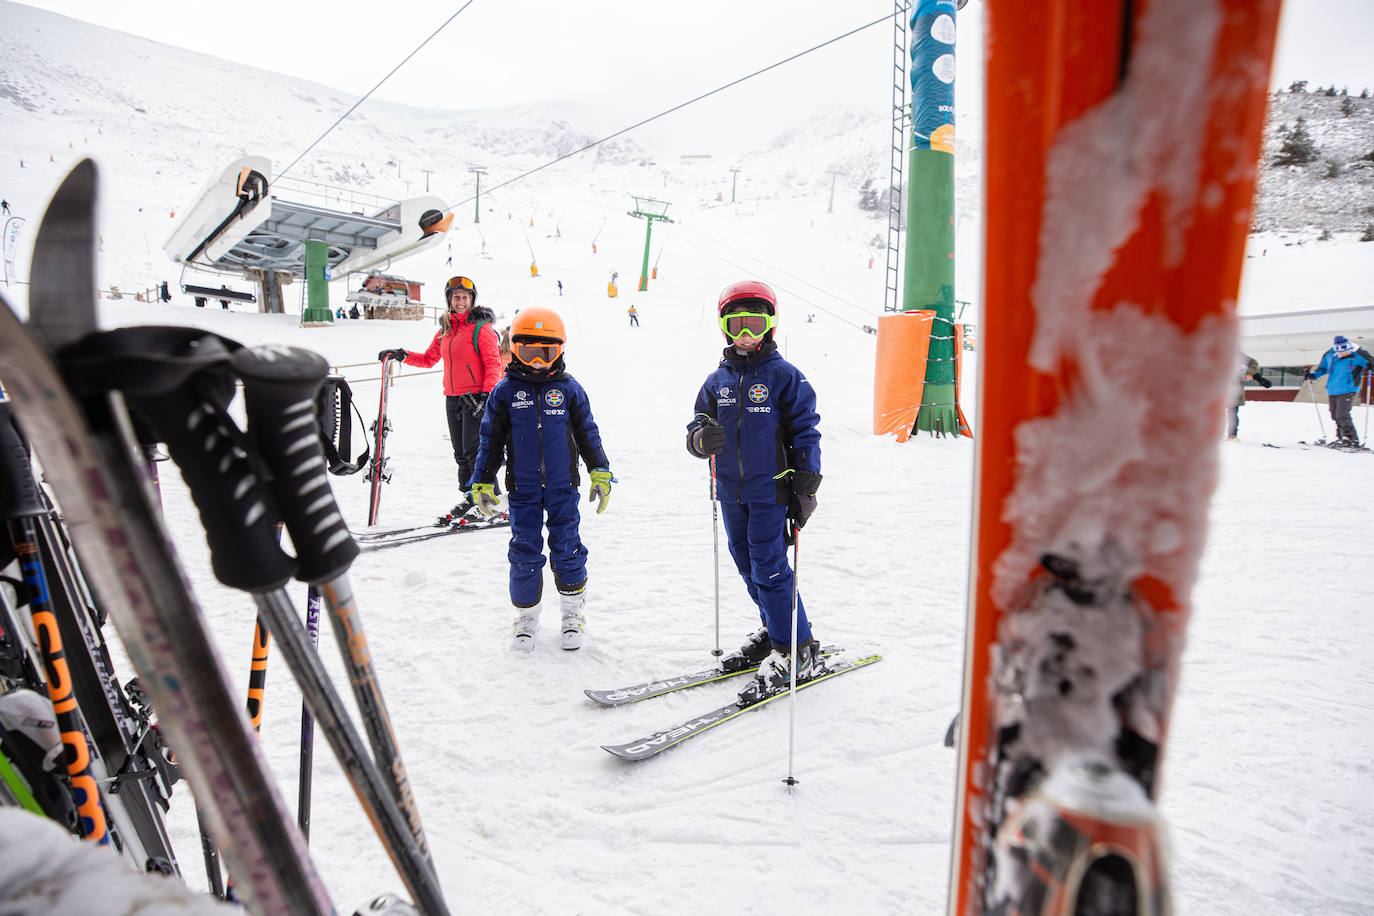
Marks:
<point>532,353</point>
<point>459,283</point>
<point>755,324</point>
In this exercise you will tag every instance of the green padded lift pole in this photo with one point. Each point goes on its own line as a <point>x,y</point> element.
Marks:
<point>929,281</point>
<point>316,286</point>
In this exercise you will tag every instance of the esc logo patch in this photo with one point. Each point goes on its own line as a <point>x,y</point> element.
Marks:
<point>758,393</point>
<point>553,397</point>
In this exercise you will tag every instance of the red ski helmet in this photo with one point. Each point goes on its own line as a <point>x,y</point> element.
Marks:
<point>754,294</point>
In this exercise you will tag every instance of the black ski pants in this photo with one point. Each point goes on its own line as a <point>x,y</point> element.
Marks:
<point>463,427</point>
<point>1340,405</point>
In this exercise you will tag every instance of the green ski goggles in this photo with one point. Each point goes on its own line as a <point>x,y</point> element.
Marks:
<point>755,324</point>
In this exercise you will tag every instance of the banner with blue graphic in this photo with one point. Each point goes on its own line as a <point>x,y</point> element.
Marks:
<point>932,75</point>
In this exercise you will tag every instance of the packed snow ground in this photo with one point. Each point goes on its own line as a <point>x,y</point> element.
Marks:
<point>1267,767</point>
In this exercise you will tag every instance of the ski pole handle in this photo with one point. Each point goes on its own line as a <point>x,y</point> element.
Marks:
<point>280,386</point>
<point>177,380</point>
<point>235,510</point>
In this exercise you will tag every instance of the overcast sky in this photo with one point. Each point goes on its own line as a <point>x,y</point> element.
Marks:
<point>497,53</point>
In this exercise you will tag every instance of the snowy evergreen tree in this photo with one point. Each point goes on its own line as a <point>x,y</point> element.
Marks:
<point>1297,147</point>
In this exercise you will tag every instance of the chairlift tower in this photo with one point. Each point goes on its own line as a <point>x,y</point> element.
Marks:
<point>478,171</point>
<point>648,209</point>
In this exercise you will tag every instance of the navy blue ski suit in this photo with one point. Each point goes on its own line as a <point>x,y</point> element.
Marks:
<point>768,411</point>
<point>541,422</point>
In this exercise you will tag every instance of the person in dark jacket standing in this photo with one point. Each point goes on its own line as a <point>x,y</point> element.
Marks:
<point>467,344</point>
<point>1345,368</point>
<point>756,416</point>
<point>539,419</point>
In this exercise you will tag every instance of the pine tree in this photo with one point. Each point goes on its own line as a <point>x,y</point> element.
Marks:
<point>1347,106</point>
<point>1297,147</point>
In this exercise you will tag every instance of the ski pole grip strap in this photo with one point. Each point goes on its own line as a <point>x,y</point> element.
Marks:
<point>19,497</point>
<point>280,388</point>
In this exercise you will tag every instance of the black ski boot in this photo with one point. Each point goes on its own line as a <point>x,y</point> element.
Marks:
<point>775,672</point>
<point>754,650</point>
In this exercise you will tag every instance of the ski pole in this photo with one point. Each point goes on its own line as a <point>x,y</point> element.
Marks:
<point>281,385</point>
<point>792,688</point>
<point>1312,390</point>
<point>1368,370</point>
<point>307,767</point>
<point>715,540</point>
<point>180,380</point>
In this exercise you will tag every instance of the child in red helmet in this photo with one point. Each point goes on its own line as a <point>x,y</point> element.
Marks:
<point>756,414</point>
<point>539,420</point>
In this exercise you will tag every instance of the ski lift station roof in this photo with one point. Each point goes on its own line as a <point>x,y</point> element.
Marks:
<point>240,224</point>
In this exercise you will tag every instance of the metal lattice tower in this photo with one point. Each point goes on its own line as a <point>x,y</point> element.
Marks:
<point>892,297</point>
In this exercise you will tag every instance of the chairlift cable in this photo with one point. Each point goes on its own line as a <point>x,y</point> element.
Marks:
<point>886,17</point>
<point>343,116</point>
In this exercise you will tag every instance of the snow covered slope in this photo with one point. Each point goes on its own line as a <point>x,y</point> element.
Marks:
<point>1266,776</point>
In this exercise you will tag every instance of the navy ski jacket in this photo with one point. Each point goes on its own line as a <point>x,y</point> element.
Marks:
<point>541,424</point>
<point>768,411</point>
<point>1342,370</point>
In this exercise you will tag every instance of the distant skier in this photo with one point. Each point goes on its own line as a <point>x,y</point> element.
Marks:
<point>224,303</point>
<point>467,344</point>
<point>560,287</point>
<point>756,414</point>
<point>353,312</point>
<point>1249,368</point>
<point>1346,368</point>
<point>4,207</point>
<point>634,316</point>
<point>164,293</point>
<point>540,420</point>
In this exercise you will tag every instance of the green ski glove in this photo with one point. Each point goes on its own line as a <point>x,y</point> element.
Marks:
<point>483,496</point>
<point>601,488</point>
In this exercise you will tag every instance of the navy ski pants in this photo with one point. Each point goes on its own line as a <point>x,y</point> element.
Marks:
<point>755,535</point>
<point>526,552</point>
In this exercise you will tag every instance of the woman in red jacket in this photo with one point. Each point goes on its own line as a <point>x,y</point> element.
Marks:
<point>468,345</point>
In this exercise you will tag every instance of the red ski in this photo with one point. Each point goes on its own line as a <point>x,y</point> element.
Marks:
<point>1123,140</point>
<point>377,473</point>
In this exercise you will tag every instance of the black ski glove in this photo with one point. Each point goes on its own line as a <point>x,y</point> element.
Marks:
<point>707,439</point>
<point>1307,374</point>
<point>476,402</point>
<point>802,502</point>
<point>397,354</point>
<point>1261,381</point>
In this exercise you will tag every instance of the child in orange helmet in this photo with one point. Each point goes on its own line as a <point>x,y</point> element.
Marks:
<point>539,420</point>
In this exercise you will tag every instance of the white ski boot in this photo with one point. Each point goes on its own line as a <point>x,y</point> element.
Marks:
<point>525,627</point>
<point>573,621</point>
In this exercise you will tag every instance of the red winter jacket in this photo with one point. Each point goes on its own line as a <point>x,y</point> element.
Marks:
<point>466,370</point>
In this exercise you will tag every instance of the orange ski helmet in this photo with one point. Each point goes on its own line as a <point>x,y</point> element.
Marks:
<point>537,337</point>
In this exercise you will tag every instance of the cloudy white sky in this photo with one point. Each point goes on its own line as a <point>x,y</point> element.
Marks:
<point>611,51</point>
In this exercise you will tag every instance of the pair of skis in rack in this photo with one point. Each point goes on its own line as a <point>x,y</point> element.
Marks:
<point>173,385</point>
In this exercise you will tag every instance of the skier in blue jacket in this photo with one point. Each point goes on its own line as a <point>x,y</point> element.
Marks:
<point>538,418</point>
<point>756,416</point>
<point>1345,367</point>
